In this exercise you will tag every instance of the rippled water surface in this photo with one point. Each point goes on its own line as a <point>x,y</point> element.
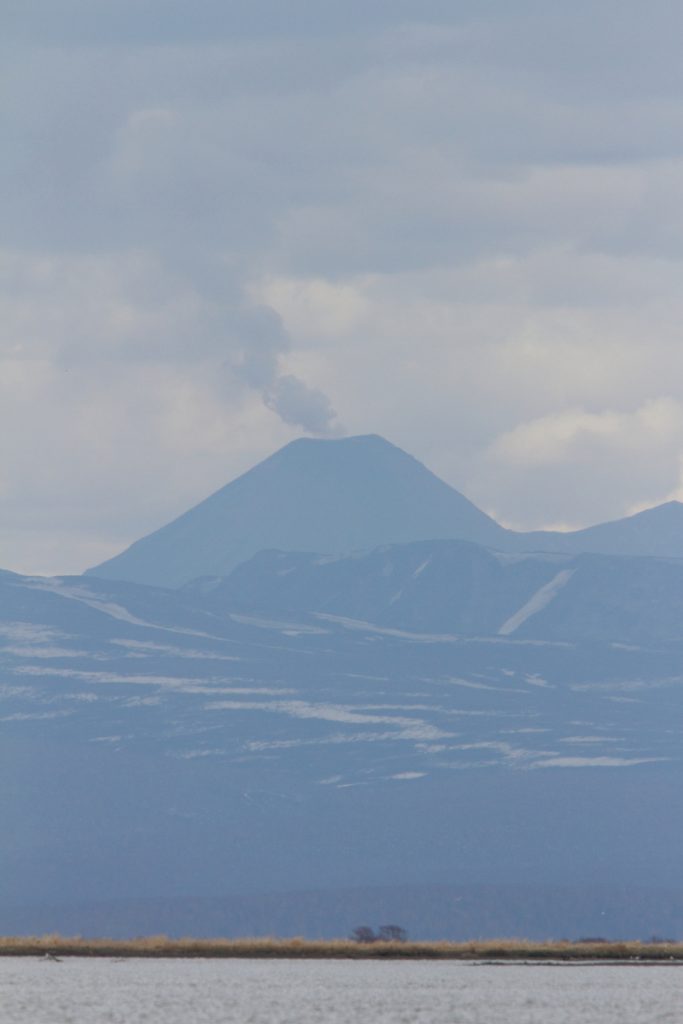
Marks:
<point>79,991</point>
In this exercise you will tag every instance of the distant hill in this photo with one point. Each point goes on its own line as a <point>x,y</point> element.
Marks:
<point>312,495</point>
<point>655,531</point>
<point>505,720</point>
<point>461,588</point>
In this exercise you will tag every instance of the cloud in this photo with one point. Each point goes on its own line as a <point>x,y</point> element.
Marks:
<point>113,367</point>
<point>582,461</point>
<point>561,436</point>
<point>456,224</point>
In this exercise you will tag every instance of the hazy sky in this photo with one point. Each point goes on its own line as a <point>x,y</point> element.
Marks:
<point>457,224</point>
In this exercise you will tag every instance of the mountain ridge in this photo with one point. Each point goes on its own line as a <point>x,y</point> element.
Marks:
<point>156,747</point>
<point>323,495</point>
<point>651,527</point>
<point>355,494</point>
<point>456,587</point>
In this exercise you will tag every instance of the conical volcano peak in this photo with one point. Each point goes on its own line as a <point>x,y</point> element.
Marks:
<point>356,445</point>
<point>357,454</point>
<point>340,495</point>
<point>326,495</point>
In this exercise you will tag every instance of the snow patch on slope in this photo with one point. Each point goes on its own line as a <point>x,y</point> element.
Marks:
<point>595,762</point>
<point>86,597</point>
<point>537,602</point>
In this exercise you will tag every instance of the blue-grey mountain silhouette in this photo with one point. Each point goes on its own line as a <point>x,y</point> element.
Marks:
<point>341,496</point>
<point>400,705</point>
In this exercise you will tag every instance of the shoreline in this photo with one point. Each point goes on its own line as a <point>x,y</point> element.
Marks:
<point>498,950</point>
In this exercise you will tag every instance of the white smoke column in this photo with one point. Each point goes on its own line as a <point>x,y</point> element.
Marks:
<point>296,403</point>
<point>264,342</point>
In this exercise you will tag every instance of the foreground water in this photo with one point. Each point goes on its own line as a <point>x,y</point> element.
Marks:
<point>81,991</point>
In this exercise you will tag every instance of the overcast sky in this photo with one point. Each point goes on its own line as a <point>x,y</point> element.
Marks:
<point>457,224</point>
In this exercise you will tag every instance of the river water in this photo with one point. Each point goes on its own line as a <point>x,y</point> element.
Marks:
<point>81,991</point>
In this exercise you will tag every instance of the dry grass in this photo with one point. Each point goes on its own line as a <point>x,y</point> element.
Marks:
<point>493,949</point>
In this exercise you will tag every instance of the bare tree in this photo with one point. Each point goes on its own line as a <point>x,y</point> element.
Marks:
<point>392,933</point>
<point>363,934</point>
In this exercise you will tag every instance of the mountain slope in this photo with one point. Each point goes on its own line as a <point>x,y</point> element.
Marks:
<point>655,531</point>
<point>154,748</point>
<point>327,496</point>
<point>355,494</point>
<point>459,588</point>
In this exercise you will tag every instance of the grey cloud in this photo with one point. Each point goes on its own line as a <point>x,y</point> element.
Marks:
<point>136,22</point>
<point>205,146</point>
<point>496,183</point>
<point>575,467</point>
<point>265,341</point>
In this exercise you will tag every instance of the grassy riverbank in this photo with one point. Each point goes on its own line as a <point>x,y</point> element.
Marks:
<point>494,949</point>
